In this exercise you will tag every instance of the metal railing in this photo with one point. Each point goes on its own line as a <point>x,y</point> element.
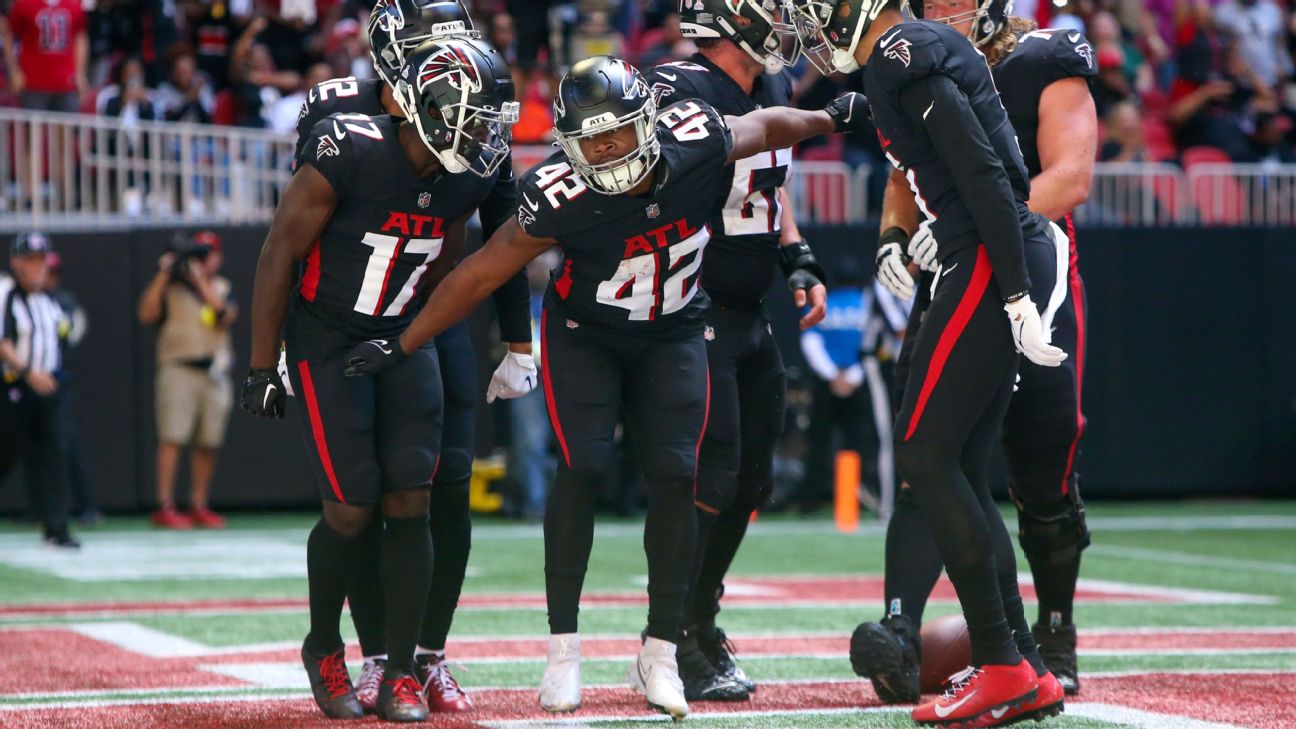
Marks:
<point>77,172</point>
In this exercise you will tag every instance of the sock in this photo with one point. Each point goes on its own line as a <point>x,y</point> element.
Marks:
<point>406,571</point>
<point>913,564</point>
<point>718,554</point>
<point>568,538</point>
<point>670,540</point>
<point>330,557</point>
<point>451,528</point>
<point>1055,586</point>
<point>365,590</point>
<point>695,608</point>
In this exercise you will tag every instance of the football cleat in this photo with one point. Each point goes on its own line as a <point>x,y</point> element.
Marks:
<point>981,697</point>
<point>169,518</point>
<point>715,645</point>
<point>889,654</point>
<point>1048,702</point>
<point>400,698</point>
<point>440,689</point>
<point>560,687</point>
<point>366,688</point>
<point>655,674</point>
<point>702,682</point>
<point>1057,646</point>
<point>331,684</point>
<point>206,519</point>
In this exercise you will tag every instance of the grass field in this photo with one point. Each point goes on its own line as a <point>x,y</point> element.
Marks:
<point>1187,615</point>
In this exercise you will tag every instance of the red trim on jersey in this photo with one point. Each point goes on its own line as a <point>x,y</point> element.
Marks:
<point>317,428</point>
<point>564,282</point>
<point>1077,302</point>
<point>976,289</point>
<point>391,264</point>
<point>706,418</point>
<point>310,280</point>
<point>548,388</point>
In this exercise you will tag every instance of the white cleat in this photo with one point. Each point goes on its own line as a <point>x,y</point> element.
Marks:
<point>655,674</point>
<point>560,687</point>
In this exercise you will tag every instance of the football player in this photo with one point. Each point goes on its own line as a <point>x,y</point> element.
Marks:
<point>941,123</point>
<point>395,28</point>
<point>629,198</point>
<point>743,48</point>
<point>377,212</point>
<point>1042,80</point>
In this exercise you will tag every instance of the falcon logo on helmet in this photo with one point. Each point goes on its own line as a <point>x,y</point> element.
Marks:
<point>454,66</point>
<point>396,27</point>
<point>388,16</point>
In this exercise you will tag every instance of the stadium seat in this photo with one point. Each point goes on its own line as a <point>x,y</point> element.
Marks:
<point>1219,200</point>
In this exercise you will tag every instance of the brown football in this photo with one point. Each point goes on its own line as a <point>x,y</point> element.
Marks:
<point>946,650</point>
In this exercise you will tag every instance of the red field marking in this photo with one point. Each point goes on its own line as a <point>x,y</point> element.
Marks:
<point>1259,700</point>
<point>745,591</point>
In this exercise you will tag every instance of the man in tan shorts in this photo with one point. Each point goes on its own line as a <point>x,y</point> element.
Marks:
<point>190,304</point>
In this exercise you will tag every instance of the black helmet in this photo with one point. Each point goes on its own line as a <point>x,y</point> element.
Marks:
<point>989,17</point>
<point>397,26</point>
<point>458,93</point>
<point>597,95</point>
<point>831,30</point>
<point>769,36</point>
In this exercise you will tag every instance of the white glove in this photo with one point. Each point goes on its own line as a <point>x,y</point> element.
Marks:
<point>1029,335</point>
<point>283,373</point>
<point>922,247</point>
<point>515,377</point>
<point>892,273</point>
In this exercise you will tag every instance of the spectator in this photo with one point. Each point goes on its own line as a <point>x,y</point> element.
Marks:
<point>1111,86</point>
<point>670,46</point>
<point>190,303</point>
<point>1256,28</point>
<point>348,50</point>
<point>130,100</point>
<point>255,81</point>
<point>1272,139</point>
<point>1125,142</point>
<point>84,504</point>
<point>31,363</point>
<point>283,115</point>
<point>185,96</point>
<point>49,66</point>
<point>212,31</point>
<point>502,36</point>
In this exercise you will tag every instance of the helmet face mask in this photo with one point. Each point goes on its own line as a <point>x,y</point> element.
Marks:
<point>769,35</point>
<point>396,27</point>
<point>988,18</point>
<point>459,96</point>
<point>598,96</point>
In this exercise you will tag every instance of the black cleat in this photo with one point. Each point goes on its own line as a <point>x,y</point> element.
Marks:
<point>1057,646</point>
<point>400,698</point>
<point>331,684</point>
<point>715,645</point>
<point>889,654</point>
<point>702,682</point>
<point>61,540</point>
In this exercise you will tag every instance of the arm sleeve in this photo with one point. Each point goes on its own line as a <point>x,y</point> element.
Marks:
<point>936,104</point>
<point>812,346</point>
<point>513,299</point>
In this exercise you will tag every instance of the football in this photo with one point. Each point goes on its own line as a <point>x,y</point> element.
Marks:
<point>946,650</point>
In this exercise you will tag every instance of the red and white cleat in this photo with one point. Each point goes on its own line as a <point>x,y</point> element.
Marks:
<point>442,691</point>
<point>366,687</point>
<point>981,697</point>
<point>1048,702</point>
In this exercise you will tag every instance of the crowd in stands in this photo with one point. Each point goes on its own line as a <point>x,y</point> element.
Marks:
<point>1173,74</point>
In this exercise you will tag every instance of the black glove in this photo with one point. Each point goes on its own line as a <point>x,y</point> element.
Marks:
<point>800,267</point>
<point>263,393</point>
<point>373,357</point>
<point>850,113</point>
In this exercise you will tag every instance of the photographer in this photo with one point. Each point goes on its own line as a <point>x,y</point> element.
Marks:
<point>192,308</point>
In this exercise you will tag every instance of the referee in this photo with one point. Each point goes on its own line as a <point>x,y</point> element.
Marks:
<point>31,324</point>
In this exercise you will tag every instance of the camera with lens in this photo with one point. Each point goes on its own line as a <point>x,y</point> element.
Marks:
<point>185,250</point>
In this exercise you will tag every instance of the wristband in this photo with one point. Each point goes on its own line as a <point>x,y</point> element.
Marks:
<point>894,234</point>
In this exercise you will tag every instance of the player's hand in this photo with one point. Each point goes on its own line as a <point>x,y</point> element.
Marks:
<point>373,357</point>
<point>893,272</point>
<point>1029,336</point>
<point>263,393</point>
<point>923,248</point>
<point>805,277</point>
<point>850,113</point>
<point>515,377</point>
<point>42,383</point>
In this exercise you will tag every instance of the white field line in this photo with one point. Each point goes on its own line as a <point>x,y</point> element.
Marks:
<point>1193,560</point>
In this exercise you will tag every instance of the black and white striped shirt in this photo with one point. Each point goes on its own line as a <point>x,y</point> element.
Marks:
<point>32,323</point>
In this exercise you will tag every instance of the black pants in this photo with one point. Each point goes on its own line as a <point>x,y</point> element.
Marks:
<point>736,462</point>
<point>592,375</point>
<point>31,431</point>
<point>366,435</point>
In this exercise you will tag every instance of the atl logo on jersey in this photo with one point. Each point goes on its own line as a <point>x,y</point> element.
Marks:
<point>658,238</point>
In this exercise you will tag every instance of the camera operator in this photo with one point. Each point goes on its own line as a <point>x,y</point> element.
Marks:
<point>31,328</point>
<point>191,305</point>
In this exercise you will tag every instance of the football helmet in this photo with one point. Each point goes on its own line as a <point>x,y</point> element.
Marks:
<point>989,17</point>
<point>768,36</point>
<point>598,95</point>
<point>396,27</point>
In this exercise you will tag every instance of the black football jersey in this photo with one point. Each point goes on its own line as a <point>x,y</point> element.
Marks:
<point>633,263</point>
<point>1040,58</point>
<point>365,275</point>
<point>743,251</point>
<point>941,122</point>
<point>347,95</point>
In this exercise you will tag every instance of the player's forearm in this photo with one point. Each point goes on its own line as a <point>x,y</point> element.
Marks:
<point>513,308</point>
<point>785,127</point>
<point>150,303</point>
<point>451,301</point>
<point>899,209</point>
<point>270,292</point>
<point>82,56</point>
<point>9,356</point>
<point>1057,191</point>
<point>788,230</point>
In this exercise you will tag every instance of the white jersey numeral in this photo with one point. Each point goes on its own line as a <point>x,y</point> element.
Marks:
<point>637,287</point>
<point>377,278</point>
<point>751,210</point>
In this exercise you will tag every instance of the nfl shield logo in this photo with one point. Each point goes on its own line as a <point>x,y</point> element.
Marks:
<point>653,210</point>
<point>425,199</point>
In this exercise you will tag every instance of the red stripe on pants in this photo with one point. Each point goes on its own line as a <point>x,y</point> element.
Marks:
<point>976,288</point>
<point>548,387</point>
<point>1077,294</point>
<point>706,418</point>
<point>317,428</point>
